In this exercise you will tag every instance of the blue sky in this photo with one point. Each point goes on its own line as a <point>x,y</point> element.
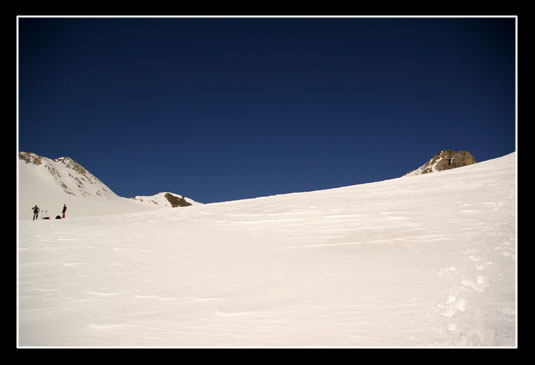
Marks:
<point>221,109</point>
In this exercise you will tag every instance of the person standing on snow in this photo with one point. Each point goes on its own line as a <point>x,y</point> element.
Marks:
<point>35,212</point>
<point>64,210</point>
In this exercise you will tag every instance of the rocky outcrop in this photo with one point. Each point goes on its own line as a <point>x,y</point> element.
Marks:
<point>29,157</point>
<point>176,201</point>
<point>445,160</point>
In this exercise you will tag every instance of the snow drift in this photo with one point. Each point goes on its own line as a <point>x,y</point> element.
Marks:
<point>419,261</point>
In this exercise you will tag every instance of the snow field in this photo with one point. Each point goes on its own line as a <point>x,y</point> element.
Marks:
<point>417,261</point>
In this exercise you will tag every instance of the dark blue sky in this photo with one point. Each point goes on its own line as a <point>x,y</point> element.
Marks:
<point>221,109</point>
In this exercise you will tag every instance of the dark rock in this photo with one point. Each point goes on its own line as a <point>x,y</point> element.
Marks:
<point>176,201</point>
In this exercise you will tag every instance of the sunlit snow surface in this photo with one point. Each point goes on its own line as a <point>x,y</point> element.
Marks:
<point>417,261</point>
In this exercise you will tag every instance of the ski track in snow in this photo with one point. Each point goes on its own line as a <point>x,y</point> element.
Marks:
<point>419,261</point>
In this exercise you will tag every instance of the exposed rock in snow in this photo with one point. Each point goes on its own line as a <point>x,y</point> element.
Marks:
<point>444,160</point>
<point>166,199</point>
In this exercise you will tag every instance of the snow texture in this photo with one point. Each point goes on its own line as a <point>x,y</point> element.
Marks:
<point>419,261</point>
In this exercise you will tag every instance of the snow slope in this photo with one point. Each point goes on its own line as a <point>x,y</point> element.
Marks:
<point>422,261</point>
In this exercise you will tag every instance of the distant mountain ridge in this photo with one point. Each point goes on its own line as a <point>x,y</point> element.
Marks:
<point>444,160</point>
<point>50,183</point>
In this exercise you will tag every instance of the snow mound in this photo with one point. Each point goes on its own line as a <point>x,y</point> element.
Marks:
<point>166,199</point>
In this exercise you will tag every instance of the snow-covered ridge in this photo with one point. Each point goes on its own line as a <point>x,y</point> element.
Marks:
<point>69,175</point>
<point>50,183</point>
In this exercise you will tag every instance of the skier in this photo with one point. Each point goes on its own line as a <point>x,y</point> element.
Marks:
<point>64,210</point>
<point>35,212</point>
